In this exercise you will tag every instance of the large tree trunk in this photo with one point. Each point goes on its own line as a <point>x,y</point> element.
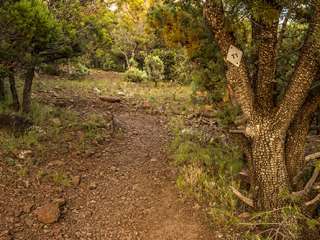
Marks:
<point>270,171</point>
<point>26,105</point>
<point>268,165</point>
<point>14,94</point>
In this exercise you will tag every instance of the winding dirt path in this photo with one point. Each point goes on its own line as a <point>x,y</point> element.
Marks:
<point>135,197</point>
<point>127,189</point>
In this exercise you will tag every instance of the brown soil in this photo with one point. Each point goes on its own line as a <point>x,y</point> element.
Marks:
<point>127,190</point>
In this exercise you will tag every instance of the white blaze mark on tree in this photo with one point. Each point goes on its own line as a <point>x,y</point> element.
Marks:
<point>234,56</point>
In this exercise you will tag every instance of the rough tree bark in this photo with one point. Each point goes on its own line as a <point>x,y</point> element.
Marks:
<point>13,89</point>
<point>297,136</point>
<point>273,130</point>
<point>26,105</point>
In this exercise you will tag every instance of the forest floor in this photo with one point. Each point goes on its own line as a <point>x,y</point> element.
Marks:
<point>96,165</point>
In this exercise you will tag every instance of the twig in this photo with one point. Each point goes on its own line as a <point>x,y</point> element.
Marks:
<point>310,163</point>
<point>246,200</point>
<point>240,120</point>
<point>309,184</point>
<point>312,156</point>
<point>313,201</point>
<point>237,131</point>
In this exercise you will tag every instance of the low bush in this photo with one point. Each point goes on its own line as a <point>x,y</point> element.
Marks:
<point>154,68</point>
<point>79,70</point>
<point>168,57</point>
<point>136,75</point>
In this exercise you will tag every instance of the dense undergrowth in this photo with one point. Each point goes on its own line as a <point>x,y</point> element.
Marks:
<point>209,164</point>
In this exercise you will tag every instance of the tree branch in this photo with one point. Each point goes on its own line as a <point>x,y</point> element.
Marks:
<point>309,184</point>
<point>297,134</point>
<point>244,199</point>
<point>237,76</point>
<point>310,164</point>
<point>305,72</point>
<point>265,37</point>
<point>313,201</point>
<point>312,157</point>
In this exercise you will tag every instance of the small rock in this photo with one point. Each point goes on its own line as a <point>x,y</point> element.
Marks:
<point>56,163</point>
<point>92,186</point>
<point>48,213</point>
<point>197,206</point>
<point>244,215</point>
<point>76,180</point>
<point>27,208</point>
<point>146,105</point>
<point>114,169</point>
<point>18,213</point>
<point>24,154</point>
<point>153,160</point>
<point>110,99</point>
<point>29,222</point>
<point>10,219</point>
<point>26,183</point>
<point>59,201</point>
<point>5,235</point>
<point>97,90</point>
<point>56,121</point>
<point>121,94</point>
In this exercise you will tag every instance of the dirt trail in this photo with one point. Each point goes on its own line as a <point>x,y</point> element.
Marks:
<point>136,197</point>
<point>127,189</point>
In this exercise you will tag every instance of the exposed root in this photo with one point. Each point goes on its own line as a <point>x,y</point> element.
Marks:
<point>244,199</point>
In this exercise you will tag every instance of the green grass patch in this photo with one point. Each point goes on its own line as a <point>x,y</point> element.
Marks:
<point>207,170</point>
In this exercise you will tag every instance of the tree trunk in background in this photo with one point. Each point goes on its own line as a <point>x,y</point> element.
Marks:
<point>26,105</point>
<point>295,148</point>
<point>14,94</point>
<point>318,121</point>
<point>2,90</point>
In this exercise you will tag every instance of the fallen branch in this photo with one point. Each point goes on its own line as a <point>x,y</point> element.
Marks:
<point>244,175</point>
<point>313,201</point>
<point>244,199</point>
<point>240,120</point>
<point>237,131</point>
<point>309,184</point>
<point>110,99</point>
<point>311,161</point>
<point>312,156</point>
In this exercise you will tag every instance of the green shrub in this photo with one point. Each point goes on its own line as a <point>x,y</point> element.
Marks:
<point>168,57</point>
<point>105,60</point>
<point>50,69</point>
<point>133,63</point>
<point>154,68</point>
<point>182,69</point>
<point>79,70</point>
<point>134,74</point>
<point>209,78</point>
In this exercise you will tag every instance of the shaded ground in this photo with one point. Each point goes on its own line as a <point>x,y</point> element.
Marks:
<point>127,188</point>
